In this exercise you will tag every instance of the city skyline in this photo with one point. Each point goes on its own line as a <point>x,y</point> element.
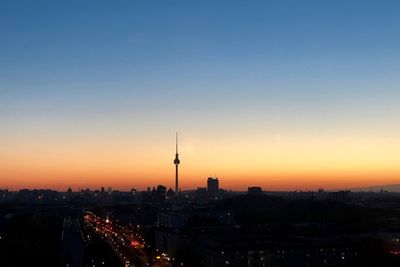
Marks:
<point>286,96</point>
<point>140,183</point>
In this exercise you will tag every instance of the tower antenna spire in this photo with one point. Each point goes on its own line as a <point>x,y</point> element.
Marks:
<point>176,142</point>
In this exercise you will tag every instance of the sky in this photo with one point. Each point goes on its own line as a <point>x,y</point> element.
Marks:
<point>287,95</point>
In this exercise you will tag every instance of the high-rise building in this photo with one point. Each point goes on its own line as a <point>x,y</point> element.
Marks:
<point>254,191</point>
<point>161,189</point>
<point>176,162</point>
<point>212,186</point>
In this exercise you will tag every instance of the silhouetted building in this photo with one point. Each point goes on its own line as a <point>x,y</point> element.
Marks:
<point>171,219</point>
<point>133,191</point>
<point>201,190</point>
<point>254,191</point>
<point>212,187</point>
<point>103,192</point>
<point>161,190</point>
<point>170,193</point>
<point>340,195</point>
<point>256,251</point>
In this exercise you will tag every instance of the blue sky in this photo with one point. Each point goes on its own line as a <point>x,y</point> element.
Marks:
<point>168,45</point>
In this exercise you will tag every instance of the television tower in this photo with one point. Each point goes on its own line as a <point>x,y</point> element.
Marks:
<point>176,162</point>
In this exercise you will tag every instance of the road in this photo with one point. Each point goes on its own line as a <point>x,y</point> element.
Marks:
<point>127,244</point>
<point>72,243</point>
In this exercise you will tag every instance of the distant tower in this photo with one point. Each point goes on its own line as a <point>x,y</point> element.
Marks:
<point>176,162</point>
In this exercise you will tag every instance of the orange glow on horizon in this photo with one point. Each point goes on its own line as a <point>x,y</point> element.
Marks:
<point>288,164</point>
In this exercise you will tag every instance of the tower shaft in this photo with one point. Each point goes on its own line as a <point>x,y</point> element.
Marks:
<point>176,179</point>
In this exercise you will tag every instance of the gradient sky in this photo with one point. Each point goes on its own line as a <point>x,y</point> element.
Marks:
<point>282,94</point>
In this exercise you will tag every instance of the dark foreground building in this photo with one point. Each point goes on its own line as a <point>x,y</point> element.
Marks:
<point>222,247</point>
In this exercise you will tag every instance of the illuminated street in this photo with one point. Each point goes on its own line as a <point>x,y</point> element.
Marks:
<point>127,244</point>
